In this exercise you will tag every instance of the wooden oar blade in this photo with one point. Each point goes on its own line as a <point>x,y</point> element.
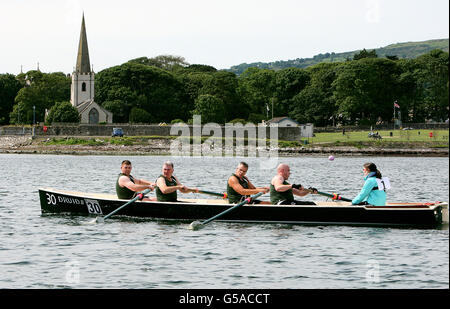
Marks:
<point>195,225</point>
<point>94,221</point>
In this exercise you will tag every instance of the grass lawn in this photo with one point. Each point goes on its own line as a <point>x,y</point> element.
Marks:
<point>360,139</point>
<point>401,136</point>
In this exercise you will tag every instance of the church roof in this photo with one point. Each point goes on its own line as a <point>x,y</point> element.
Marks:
<point>83,63</point>
<point>83,106</point>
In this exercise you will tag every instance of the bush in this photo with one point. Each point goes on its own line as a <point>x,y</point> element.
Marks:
<point>176,121</point>
<point>238,120</point>
<point>138,115</point>
<point>63,112</point>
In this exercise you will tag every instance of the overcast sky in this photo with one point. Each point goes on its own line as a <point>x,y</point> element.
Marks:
<point>220,33</point>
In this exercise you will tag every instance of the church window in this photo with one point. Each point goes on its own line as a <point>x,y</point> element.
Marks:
<point>83,87</point>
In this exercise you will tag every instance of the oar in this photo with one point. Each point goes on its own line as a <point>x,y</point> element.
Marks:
<point>197,224</point>
<point>222,195</point>
<point>140,195</point>
<point>333,196</point>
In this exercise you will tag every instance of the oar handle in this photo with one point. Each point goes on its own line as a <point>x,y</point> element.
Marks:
<point>140,195</point>
<point>222,195</point>
<point>247,200</point>
<point>334,196</point>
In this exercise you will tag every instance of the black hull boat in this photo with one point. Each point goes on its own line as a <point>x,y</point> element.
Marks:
<point>322,213</point>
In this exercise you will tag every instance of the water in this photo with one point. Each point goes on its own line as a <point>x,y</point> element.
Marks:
<point>55,251</point>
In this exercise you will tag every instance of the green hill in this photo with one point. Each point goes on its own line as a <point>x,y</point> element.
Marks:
<point>401,50</point>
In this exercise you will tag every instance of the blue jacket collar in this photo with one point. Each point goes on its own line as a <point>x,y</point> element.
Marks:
<point>371,174</point>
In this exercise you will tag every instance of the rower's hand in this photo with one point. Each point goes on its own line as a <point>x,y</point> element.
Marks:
<point>313,190</point>
<point>294,186</point>
<point>264,190</point>
<point>151,187</point>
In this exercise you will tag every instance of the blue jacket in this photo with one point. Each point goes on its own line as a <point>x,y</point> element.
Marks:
<point>367,194</point>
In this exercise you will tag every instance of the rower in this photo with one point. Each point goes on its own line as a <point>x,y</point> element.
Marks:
<point>282,192</point>
<point>127,186</point>
<point>239,186</point>
<point>167,185</point>
<point>374,190</point>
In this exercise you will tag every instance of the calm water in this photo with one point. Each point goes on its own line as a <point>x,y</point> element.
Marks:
<point>60,252</point>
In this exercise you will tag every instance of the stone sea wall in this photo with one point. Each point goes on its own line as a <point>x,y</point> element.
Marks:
<point>285,133</point>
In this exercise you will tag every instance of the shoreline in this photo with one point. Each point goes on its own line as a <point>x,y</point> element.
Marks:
<point>28,145</point>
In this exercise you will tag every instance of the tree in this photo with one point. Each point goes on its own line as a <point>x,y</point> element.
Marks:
<point>288,83</point>
<point>165,62</point>
<point>211,108</point>
<point>41,91</point>
<point>9,86</point>
<point>223,86</point>
<point>63,112</point>
<point>120,110</point>
<point>154,90</point>
<point>199,68</point>
<point>138,115</point>
<point>365,90</point>
<point>256,88</point>
<point>365,54</point>
<point>433,82</point>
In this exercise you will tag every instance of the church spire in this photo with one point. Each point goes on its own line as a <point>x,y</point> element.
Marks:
<point>83,64</point>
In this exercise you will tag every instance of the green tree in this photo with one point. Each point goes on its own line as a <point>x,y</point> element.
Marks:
<point>206,81</point>
<point>223,85</point>
<point>256,88</point>
<point>365,90</point>
<point>9,86</point>
<point>120,110</point>
<point>433,82</point>
<point>288,83</point>
<point>365,54</point>
<point>139,115</point>
<point>63,112</point>
<point>165,62</point>
<point>154,90</point>
<point>41,91</point>
<point>211,108</point>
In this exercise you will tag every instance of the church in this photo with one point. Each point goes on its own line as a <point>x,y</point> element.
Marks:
<point>82,89</point>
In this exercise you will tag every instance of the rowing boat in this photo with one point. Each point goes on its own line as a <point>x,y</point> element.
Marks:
<point>317,213</point>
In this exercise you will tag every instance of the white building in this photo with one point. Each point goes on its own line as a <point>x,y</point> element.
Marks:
<point>83,90</point>
<point>283,122</point>
<point>306,130</point>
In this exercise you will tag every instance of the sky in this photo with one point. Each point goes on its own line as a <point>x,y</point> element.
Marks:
<point>220,33</point>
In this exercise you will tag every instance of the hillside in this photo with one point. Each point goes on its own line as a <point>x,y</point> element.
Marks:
<point>401,50</point>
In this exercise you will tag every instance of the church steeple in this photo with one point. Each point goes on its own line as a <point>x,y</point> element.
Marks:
<point>83,63</point>
<point>83,78</point>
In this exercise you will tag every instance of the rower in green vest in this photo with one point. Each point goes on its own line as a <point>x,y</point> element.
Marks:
<point>240,187</point>
<point>167,185</point>
<point>282,192</point>
<point>127,185</point>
